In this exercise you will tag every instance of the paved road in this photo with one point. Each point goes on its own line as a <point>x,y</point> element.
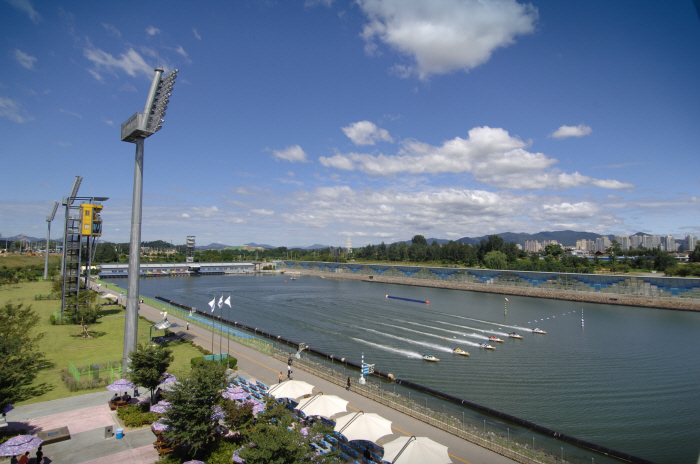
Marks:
<point>266,369</point>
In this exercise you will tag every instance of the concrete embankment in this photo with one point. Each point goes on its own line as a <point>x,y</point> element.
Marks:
<point>585,297</point>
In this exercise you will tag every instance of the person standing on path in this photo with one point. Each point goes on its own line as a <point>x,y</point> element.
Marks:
<point>290,375</point>
<point>188,326</point>
<point>281,378</point>
<point>289,370</point>
<point>39,456</point>
<point>348,389</point>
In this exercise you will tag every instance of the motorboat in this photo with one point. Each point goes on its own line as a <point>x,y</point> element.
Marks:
<point>487,346</point>
<point>514,335</point>
<point>460,352</point>
<point>494,338</point>
<point>430,357</point>
<point>538,331</point>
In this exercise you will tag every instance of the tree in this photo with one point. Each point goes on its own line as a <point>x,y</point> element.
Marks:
<point>191,413</point>
<point>238,416</point>
<point>20,358</point>
<point>87,311</point>
<point>419,240</point>
<point>148,364</point>
<point>553,250</point>
<point>614,250</point>
<point>496,260</point>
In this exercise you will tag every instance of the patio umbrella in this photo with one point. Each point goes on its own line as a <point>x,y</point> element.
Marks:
<point>121,385</point>
<point>322,405</point>
<point>363,426</point>
<point>160,408</point>
<point>7,409</point>
<point>218,412</point>
<point>291,389</point>
<point>407,450</point>
<point>194,462</point>
<point>168,378</point>
<point>19,445</point>
<point>257,405</point>
<point>159,426</point>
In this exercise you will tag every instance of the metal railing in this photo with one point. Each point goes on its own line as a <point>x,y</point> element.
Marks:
<point>93,368</point>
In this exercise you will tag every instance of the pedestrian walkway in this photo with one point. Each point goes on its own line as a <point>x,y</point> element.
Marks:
<point>86,417</point>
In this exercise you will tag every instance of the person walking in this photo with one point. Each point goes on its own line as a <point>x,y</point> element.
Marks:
<point>281,377</point>
<point>348,388</point>
<point>290,375</point>
<point>39,456</point>
<point>188,326</point>
<point>289,369</point>
<point>13,460</point>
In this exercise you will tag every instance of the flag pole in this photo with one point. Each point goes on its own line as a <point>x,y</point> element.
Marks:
<point>212,329</point>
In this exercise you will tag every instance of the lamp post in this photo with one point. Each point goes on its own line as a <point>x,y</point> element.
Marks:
<point>48,239</point>
<point>138,127</point>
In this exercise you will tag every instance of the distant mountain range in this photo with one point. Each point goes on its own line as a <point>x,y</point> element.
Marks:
<point>564,237</point>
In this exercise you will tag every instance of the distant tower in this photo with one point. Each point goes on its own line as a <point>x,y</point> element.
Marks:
<point>348,245</point>
<point>189,251</point>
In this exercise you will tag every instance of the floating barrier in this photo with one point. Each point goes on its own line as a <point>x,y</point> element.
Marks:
<point>408,299</point>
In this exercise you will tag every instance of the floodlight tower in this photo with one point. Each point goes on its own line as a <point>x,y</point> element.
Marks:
<point>48,239</point>
<point>135,129</point>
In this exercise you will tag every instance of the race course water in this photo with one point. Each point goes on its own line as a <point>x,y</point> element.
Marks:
<point>629,380</point>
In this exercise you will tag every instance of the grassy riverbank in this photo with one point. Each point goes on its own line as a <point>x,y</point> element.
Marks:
<point>63,343</point>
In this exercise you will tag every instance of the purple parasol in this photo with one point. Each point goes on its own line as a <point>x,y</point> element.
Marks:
<point>193,462</point>
<point>7,409</point>
<point>168,378</point>
<point>160,408</point>
<point>121,385</point>
<point>159,426</point>
<point>19,445</point>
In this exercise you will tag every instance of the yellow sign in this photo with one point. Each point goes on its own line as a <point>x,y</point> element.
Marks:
<point>92,222</point>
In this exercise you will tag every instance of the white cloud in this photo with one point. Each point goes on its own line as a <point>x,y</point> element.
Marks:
<point>107,121</point>
<point>181,51</point>
<point>571,131</point>
<point>447,35</point>
<point>185,215</point>
<point>26,61</point>
<point>196,34</point>
<point>491,155</point>
<point>263,212</point>
<point>150,30</point>
<point>293,154</point>
<point>71,113</point>
<point>26,7</point>
<point>366,133</point>
<point>12,110</point>
<point>112,30</point>
<point>129,62</point>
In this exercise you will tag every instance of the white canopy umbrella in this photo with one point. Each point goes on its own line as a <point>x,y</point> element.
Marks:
<point>291,389</point>
<point>363,426</point>
<point>417,450</point>
<point>322,405</point>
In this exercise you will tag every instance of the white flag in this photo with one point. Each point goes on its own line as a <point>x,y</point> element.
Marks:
<point>221,301</point>
<point>228,301</point>
<point>212,303</point>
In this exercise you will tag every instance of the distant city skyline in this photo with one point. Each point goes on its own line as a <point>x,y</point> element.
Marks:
<point>308,122</point>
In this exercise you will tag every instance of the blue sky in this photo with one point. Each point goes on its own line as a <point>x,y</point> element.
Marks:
<point>293,123</point>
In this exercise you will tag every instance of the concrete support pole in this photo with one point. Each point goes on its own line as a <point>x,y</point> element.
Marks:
<point>131,326</point>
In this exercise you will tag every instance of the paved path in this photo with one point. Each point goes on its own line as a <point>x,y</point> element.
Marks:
<point>266,369</point>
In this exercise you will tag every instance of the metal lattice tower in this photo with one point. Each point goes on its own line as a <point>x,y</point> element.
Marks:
<point>81,230</point>
<point>189,251</point>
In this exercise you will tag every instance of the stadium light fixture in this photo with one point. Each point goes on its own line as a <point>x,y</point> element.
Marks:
<point>136,129</point>
<point>48,238</point>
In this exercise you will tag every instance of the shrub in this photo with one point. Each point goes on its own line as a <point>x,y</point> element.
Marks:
<point>74,386</point>
<point>137,415</point>
<point>52,320</point>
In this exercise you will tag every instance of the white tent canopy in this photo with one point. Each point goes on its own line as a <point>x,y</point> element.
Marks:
<point>291,389</point>
<point>415,450</point>
<point>363,426</point>
<point>322,405</point>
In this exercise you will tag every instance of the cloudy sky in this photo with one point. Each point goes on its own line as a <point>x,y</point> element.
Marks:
<point>302,122</point>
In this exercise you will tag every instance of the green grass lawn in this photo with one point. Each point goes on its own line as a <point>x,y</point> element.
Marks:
<point>62,343</point>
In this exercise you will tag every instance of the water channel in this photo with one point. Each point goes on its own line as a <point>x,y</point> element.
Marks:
<point>628,380</point>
